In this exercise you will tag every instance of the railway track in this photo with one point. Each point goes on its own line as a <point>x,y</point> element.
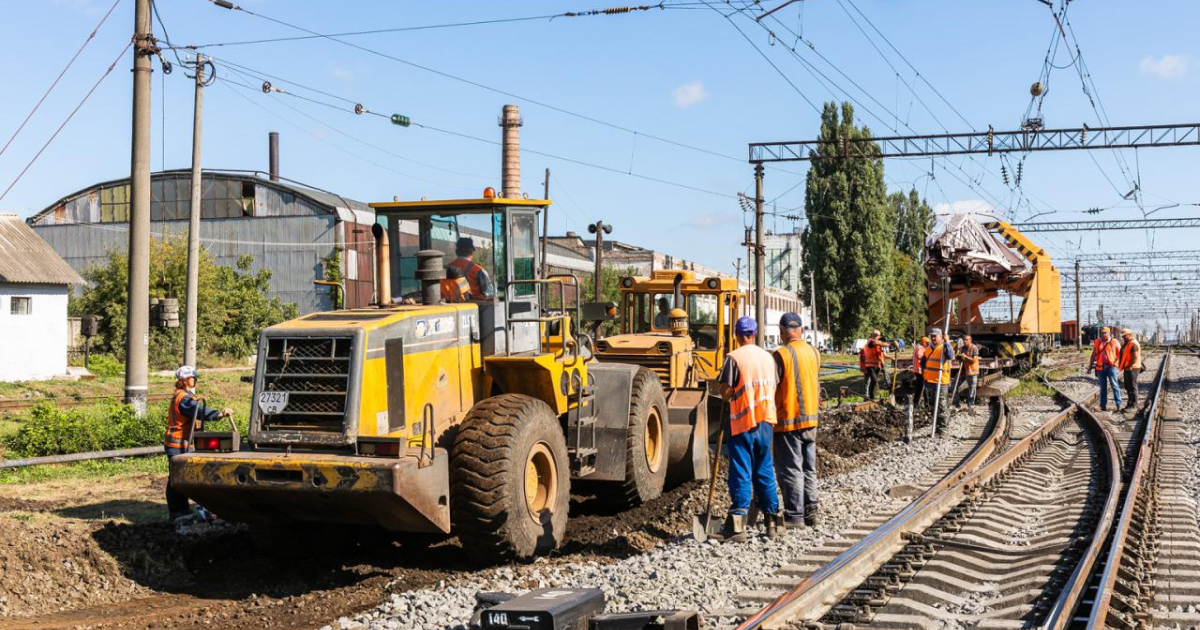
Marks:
<point>1022,537</point>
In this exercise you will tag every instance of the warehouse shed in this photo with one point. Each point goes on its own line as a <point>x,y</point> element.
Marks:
<point>288,228</point>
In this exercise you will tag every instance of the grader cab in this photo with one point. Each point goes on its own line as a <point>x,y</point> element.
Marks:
<point>435,412</point>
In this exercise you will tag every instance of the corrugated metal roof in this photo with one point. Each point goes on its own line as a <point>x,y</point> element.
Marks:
<point>26,259</point>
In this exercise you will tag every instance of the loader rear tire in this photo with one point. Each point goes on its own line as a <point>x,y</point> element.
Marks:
<point>646,442</point>
<point>509,479</point>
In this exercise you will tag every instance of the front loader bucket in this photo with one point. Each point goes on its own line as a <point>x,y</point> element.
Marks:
<point>398,494</point>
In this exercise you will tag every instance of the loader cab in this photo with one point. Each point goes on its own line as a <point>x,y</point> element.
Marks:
<point>504,238</point>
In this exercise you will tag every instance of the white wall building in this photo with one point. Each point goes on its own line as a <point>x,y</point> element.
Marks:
<point>34,282</point>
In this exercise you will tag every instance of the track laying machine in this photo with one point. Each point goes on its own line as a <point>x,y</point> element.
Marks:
<point>431,414</point>
<point>980,262</point>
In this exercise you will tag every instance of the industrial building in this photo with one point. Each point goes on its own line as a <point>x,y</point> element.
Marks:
<point>288,228</point>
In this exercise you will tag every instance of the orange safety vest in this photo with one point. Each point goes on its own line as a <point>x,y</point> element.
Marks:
<point>179,427</point>
<point>455,289</point>
<point>1131,355</point>
<point>971,363</point>
<point>933,366</point>
<point>1106,353</point>
<point>471,270</point>
<point>871,356</point>
<point>798,397</point>
<point>753,399</point>
<point>918,354</point>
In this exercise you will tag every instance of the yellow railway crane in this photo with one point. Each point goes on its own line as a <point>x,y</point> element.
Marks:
<point>981,262</point>
<point>430,414</point>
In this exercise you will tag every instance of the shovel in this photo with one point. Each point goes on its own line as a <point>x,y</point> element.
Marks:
<point>702,524</point>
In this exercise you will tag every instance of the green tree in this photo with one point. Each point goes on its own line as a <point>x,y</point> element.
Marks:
<point>851,233</point>
<point>233,304</point>
<point>914,222</point>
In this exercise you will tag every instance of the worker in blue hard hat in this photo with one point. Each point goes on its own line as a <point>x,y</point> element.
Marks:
<point>748,381</point>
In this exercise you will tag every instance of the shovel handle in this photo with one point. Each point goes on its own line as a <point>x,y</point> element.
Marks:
<point>712,484</point>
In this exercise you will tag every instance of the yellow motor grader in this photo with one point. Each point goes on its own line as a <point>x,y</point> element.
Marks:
<point>433,413</point>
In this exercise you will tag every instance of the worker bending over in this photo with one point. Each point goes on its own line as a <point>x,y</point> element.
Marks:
<point>936,374</point>
<point>1106,357</point>
<point>870,363</point>
<point>187,409</point>
<point>920,349</point>
<point>970,370</point>
<point>477,277</point>
<point>797,402</point>
<point>748,382</point>
<point>1131,365</point>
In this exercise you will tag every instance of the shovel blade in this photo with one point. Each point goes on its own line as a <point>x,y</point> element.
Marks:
<point>704,526</point>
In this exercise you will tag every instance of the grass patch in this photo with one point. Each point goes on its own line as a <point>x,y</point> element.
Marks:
<point>1030,385</point>
<point>84,470</point>
<point>1059,374</point>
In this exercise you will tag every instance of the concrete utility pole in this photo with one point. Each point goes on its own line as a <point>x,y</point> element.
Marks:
<point>599,228</point>
<point>1078,313</point>
<point>193,260</point>
<point>812,302</point>
<point>749,245</point>
<point>545,221</point>
<point>760,304</point>
<point>137,331</point>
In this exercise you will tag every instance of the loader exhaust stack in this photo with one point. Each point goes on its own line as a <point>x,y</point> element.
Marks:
<point>430,272</point>
<point>383,266</point>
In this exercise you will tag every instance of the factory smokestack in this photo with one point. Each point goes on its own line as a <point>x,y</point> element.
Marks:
<point>510,164</point>
<point>273,155</point>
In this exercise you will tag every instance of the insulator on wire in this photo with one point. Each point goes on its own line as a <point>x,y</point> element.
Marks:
<point>1004,174</point>
<point>359,109</point>
<point>1020,170</point>
<point>400,119</point>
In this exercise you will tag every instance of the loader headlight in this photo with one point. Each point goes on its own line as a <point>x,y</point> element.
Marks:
<point>627,282</point>
<point>664,348</point>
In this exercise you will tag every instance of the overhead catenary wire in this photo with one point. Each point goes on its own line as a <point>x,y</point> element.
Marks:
<point>67,119</point>
<point>63,72</point>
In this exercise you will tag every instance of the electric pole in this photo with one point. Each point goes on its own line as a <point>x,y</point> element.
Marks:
<point>812,303</point>
<point>545,221</point>
<point>749,245</point>
<point>1078,313</point>
<point>193,259</point>
<point>599,228</point>
<point>760,305</point>
<point>137,331</point>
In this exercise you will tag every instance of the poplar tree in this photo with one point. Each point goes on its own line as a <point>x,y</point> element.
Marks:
<point>850,239</point>
<point>914,222</point>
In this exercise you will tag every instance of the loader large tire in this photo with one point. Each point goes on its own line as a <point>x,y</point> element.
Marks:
<point>509,479</point>
<point>646,443</point>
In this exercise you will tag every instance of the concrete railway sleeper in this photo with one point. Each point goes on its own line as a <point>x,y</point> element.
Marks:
<point>1021,533</point>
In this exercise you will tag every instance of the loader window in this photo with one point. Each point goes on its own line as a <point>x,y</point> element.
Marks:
<point>524,253</point>
<point>702,320</point>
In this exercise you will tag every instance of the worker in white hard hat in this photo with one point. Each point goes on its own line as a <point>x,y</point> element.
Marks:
<point>187,409</point>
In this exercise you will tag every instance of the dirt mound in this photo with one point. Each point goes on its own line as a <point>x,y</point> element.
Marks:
<point>845,434</point>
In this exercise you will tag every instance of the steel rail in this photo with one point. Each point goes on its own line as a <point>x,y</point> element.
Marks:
<point>1098,615</point>
<point>865,556</point>
<point>818,593</point>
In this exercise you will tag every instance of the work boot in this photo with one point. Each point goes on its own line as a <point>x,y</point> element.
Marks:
<point>735,528</point>
<point>774,523</point>
<point>790,523</point>
<point>812,515</point>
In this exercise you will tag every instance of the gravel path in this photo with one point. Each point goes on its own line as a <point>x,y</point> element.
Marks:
<point>680,574</point>
<point>1185,393</point>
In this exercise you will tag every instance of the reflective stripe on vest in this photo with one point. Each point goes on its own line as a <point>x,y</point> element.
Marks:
<point>798,397</point>
<point>1131,360</point>
<point>933,366</point>
<point>753,399</point>
<point>470,270</point>
<point>971,363</point>
<point>179,428</point>
<point>1106,353</point>
<point>455,289</point>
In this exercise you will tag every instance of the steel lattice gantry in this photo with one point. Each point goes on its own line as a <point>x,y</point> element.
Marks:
<point>1185,254</point>
<point>986,142</point>
<point>1162,274</point>
<point>1128,224</point>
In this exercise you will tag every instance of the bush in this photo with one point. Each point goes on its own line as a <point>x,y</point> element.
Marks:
<point>49,430</point>
<point>105,365</point>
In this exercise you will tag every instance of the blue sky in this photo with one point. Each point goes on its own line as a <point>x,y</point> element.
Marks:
<point>684,74</point>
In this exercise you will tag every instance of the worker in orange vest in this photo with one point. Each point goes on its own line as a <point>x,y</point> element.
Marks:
<point>797,403</point>
<point>918,359</point>
<point>870,362</point>
<point>969,354</point>
<point>476,275</point>
<point>186,410</point>
<point>748,381</point>
<point>936,374</point>
<point>1131,366</point>
<point>1106,358</point>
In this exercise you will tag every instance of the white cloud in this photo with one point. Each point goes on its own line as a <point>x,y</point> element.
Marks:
<point>712,219</point>
<point>966,206</point>
<point>1166,67</point>
<point>689,94</point>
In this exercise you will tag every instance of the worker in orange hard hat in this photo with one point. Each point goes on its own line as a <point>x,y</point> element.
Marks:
<point>1130,363</point>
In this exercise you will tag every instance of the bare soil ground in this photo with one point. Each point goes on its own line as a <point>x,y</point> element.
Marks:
<point>97,553</point>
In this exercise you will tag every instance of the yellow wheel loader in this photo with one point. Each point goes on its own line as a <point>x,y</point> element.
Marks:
<point>465,404</point>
